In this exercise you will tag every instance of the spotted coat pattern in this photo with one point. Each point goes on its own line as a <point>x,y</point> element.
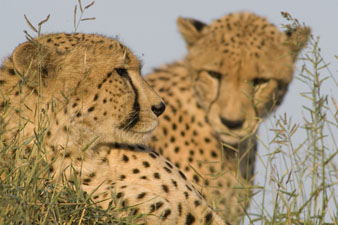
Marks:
<point>81,96</point>
<point>235,73</point>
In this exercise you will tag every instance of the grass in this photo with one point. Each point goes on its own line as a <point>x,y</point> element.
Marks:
<point>303,189</point>
<point>28,195</point>
<point>301,176</point>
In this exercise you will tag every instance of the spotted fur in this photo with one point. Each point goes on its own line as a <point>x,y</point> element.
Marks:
<point>235,73</point>
<point>84,97</point>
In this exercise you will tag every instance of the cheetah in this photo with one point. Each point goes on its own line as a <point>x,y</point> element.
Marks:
<point>96,111</point>
<point>235,73</point>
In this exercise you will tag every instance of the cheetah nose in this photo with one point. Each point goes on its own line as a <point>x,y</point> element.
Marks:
<point>158,109</point>
<point>232,124</point>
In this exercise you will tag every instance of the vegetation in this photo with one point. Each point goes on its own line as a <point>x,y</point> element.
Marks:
<point>27,193</point>
<point>303,188</point>
<point>301,176</point>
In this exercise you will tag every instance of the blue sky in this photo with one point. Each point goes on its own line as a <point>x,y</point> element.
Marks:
<point>149,28</point>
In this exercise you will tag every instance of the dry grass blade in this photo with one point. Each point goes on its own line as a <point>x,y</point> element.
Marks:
<point>91,18</point>
<point>89,5</point>
<point>30,24</point>
<point>82,10</point>
<point>80,4</point>
<point>75,11</point>
<point>28,36</point>
<point>82,214</point>
<point>44,21</point>
<point>335,104</point>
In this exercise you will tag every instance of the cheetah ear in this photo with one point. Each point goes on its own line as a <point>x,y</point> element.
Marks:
<point>296,39</point>
<point>31,57</point>
<point>190,29</point>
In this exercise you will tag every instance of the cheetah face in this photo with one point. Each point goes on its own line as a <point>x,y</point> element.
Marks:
<point>115,101</point>
<point>240,67</point>
<point>121,105</point>
<point>99,82</point>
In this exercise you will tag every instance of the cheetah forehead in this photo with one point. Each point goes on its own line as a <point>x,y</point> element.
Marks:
<point>97,45</point>
<point>243,28</point>
<point>242,42</point>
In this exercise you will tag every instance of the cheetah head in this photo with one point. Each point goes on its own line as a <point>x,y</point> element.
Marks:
<point>240,67</point>
<point>96,83</point>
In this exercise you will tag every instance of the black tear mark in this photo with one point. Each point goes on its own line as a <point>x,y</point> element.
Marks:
<point>133,117</point>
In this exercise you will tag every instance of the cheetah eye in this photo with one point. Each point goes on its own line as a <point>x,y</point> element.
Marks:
<point>122,72</point>
<point>259,81</point>
<point>214,74</point>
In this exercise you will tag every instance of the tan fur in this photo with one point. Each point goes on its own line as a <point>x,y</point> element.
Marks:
<point>84,97</point>
<point>236,72</point>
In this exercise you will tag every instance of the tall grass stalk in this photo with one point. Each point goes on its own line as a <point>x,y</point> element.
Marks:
<point>301,176</point>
